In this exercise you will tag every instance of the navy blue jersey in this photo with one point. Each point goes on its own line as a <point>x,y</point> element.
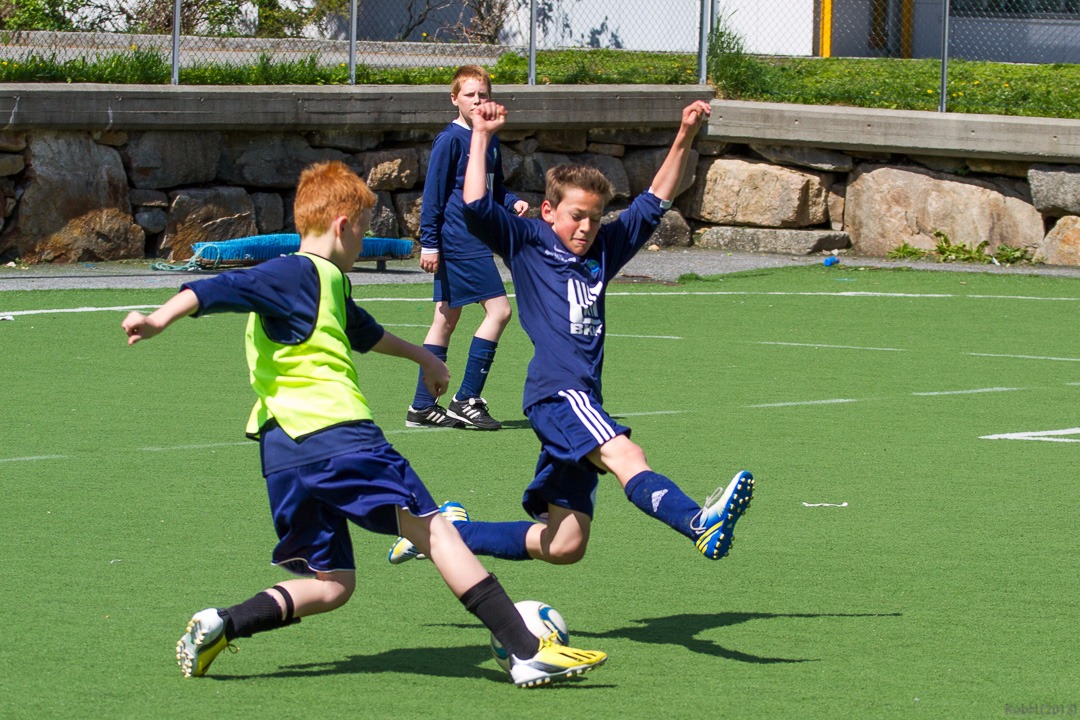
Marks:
<point>560,297</point>
<point>284,292</point>
<point>442,226</point>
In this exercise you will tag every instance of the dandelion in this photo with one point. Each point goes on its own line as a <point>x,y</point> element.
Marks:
<point>1005,85</point>
<point>133,47</point>
<point>929,91</point>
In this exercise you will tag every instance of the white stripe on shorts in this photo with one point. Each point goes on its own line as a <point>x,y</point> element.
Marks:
<point>593,421</point>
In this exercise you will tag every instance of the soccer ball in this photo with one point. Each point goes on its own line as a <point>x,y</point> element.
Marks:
<point>541,619</point>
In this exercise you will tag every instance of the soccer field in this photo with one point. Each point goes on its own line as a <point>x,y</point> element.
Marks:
<point>910,551</point>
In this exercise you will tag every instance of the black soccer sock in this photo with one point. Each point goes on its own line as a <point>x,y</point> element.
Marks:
<point>488,601</point>
<point>258,614</point>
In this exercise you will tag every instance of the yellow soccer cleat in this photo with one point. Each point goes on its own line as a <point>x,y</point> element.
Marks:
<point>203,640</point>
<point>553,662</point>
<point>403,550</point>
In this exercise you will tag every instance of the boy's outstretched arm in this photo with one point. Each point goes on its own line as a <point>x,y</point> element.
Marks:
<point>670,173</point>
<point>143,327</point>
<point>487,119</point>
<point>436,374</point>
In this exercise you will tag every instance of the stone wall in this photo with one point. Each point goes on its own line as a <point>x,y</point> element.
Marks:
<point>75,196</point>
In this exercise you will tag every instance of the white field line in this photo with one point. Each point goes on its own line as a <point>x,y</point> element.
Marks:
<point>645,414</point>
<point>854,294</point>
<point>974,391</point>
<point>34,458</point>
<point>833,401</point>
<point>53,311</point>
<point>1042,435</point>
<point>198,446</point>
<point>836,347</point>
<point>1024,357</point>
<point>647,337</point>
<point>676,293</point>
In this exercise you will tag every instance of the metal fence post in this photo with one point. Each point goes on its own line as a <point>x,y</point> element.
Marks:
<point>176,43</point>
<point>352,42</point>
<point>944,57</point>
<point>703,40</point>
<point>532,42</point>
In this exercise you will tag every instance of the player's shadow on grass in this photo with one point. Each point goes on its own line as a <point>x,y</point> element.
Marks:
<point>469,661</point>
<point>522,424</point>
<point>683,630</point>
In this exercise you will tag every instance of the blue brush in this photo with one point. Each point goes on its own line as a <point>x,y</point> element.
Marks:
<point>255,249</point>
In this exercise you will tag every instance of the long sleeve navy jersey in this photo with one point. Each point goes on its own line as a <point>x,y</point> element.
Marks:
<point>442,225</point>
<point>561,297</point>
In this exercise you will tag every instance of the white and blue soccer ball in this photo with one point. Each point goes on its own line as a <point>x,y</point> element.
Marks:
<point>542,620</point>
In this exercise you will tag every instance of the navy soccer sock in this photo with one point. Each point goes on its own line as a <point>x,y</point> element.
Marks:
<point>481,355</point>
<point>488,601</point>
<point>659,497</point>
<point>423,398</point>
<point>505,540</point>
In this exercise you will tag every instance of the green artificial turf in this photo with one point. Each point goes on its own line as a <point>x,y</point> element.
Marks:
<point>946,587</point>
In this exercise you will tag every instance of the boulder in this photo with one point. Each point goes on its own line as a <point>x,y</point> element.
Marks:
<point>941,163</point>
<point>625,136</point>
<point>384,221</point>
<point>268,160</point>
<point>112,138</point>
<point>391,169</point>
<point>711,147</point>
<point>532,176</point>
<point>11,164</point>
<point>512,163</point>
<point>269,212</point>
<point>612,149</point>
<point>74,206</point>
<point>170,158</point>
<point>1061,246</point>
<point>407,205</point>
<point>737,191</point>
<point>1055,189</point>
<point>346,140</point>
<point>808,157</point>
<point>561,141</point>
<point>835,203</point>
<point>12,141</point>
<point>151,219</point>
<point>641,167</point>
<point>886,206</point>
<point>207,215</point>
<point>673,231</point>
<point>612,169</point>
<point>1008,168</point>
<point>772,240</point>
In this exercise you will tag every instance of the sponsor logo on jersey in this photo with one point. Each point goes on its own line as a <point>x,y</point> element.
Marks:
<point>584,315</point>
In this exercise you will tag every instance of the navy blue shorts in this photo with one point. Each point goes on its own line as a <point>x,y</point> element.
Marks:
<point>464,282</point>
<point>570,426</point>
<point>312,504</point>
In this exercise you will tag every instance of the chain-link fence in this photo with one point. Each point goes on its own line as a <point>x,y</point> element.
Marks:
<point>340,33</point>
<point>1014,31</point>
<point>348,35</point>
